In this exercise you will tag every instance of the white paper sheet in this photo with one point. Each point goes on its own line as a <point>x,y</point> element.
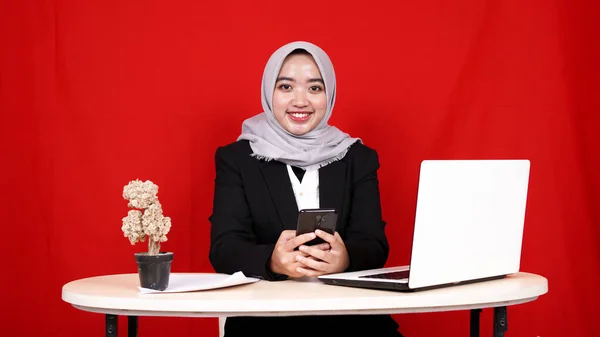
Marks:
<point>195,282</point>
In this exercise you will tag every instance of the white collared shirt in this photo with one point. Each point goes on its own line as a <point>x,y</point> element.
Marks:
<point>307,190</point>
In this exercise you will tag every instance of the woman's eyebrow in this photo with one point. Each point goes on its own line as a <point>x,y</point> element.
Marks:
<point>310,80</point>
<point>283,78</point>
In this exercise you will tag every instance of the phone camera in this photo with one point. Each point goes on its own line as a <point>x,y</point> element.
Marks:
<point>318,220</point>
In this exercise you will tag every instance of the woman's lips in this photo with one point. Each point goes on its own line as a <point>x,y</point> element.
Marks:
<point>299,116</point>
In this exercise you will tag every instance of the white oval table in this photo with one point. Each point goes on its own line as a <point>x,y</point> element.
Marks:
<point>118,295</point>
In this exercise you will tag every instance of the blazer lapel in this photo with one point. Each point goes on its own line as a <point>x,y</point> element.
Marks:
<point>332,178</point>
<point>279,185</point>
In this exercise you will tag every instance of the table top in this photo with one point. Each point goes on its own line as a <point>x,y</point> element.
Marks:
<point>118,294</point>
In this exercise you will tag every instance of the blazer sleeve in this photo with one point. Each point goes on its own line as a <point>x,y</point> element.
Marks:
<point>233,244</point>
<point>365,240</point>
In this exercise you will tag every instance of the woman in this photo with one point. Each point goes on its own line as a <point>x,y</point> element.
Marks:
<point>286,159</point>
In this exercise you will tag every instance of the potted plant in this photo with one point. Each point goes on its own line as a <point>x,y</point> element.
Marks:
<point>145,221</point>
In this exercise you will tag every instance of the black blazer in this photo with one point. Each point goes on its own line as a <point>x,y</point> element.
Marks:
<point>254,202</point>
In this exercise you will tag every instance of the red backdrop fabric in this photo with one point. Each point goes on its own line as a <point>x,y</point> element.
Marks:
<point>94,94</point>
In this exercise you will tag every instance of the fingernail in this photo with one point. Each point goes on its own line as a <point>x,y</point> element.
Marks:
<point>312,235</point>
<point>318,231</point>
<point>298,258</point>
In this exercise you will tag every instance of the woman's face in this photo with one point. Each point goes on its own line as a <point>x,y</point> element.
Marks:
<point>299,100</point>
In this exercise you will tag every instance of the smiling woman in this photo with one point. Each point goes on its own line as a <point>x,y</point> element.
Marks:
<point>289,158</point>
<point>299,99</point>
<point>298,96</point>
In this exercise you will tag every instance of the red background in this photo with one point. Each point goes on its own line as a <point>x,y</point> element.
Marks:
<point>94,94</point>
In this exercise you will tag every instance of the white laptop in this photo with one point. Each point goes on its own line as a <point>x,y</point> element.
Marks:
<point>468,227</point>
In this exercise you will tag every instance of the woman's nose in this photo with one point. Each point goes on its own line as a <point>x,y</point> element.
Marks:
<point>300,98</point>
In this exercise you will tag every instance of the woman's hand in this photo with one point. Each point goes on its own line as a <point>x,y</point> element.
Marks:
<point>284,257</point>
<point>320,261</point>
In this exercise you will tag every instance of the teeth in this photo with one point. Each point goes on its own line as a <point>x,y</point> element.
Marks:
<point>300,115</point>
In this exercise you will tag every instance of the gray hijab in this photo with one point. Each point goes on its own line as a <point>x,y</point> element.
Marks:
<point>270,141</point>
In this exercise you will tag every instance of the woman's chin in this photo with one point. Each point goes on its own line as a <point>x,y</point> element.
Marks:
<point>298,130</point>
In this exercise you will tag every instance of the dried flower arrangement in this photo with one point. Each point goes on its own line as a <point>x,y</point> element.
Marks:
<point>145,221</point>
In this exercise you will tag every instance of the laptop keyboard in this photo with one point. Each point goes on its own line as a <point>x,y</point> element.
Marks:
<point>394,275</point>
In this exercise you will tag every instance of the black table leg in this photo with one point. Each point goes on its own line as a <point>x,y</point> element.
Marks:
<point>475,322</point>
<point>500,321</point>
<point>132,326</point>
<point>111,325</point>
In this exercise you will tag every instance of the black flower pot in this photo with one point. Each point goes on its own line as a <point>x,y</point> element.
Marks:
<point>154,270</point>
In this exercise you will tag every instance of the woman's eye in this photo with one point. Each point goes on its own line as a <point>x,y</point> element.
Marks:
<point>315,88</point>
<point>285,87</point>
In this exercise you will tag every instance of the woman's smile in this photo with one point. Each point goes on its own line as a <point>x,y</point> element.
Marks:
<point>299,116</point>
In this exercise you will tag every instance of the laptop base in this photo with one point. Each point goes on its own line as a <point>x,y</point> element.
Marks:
<point>396,286</point>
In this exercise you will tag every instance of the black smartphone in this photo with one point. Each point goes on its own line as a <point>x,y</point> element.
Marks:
<point>310,220</point>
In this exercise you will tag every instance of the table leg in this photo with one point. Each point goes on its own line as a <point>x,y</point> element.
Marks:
<point>132,326</point>
<point>474,331</point>
<point>111,325</point>
<point>500,321</point>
